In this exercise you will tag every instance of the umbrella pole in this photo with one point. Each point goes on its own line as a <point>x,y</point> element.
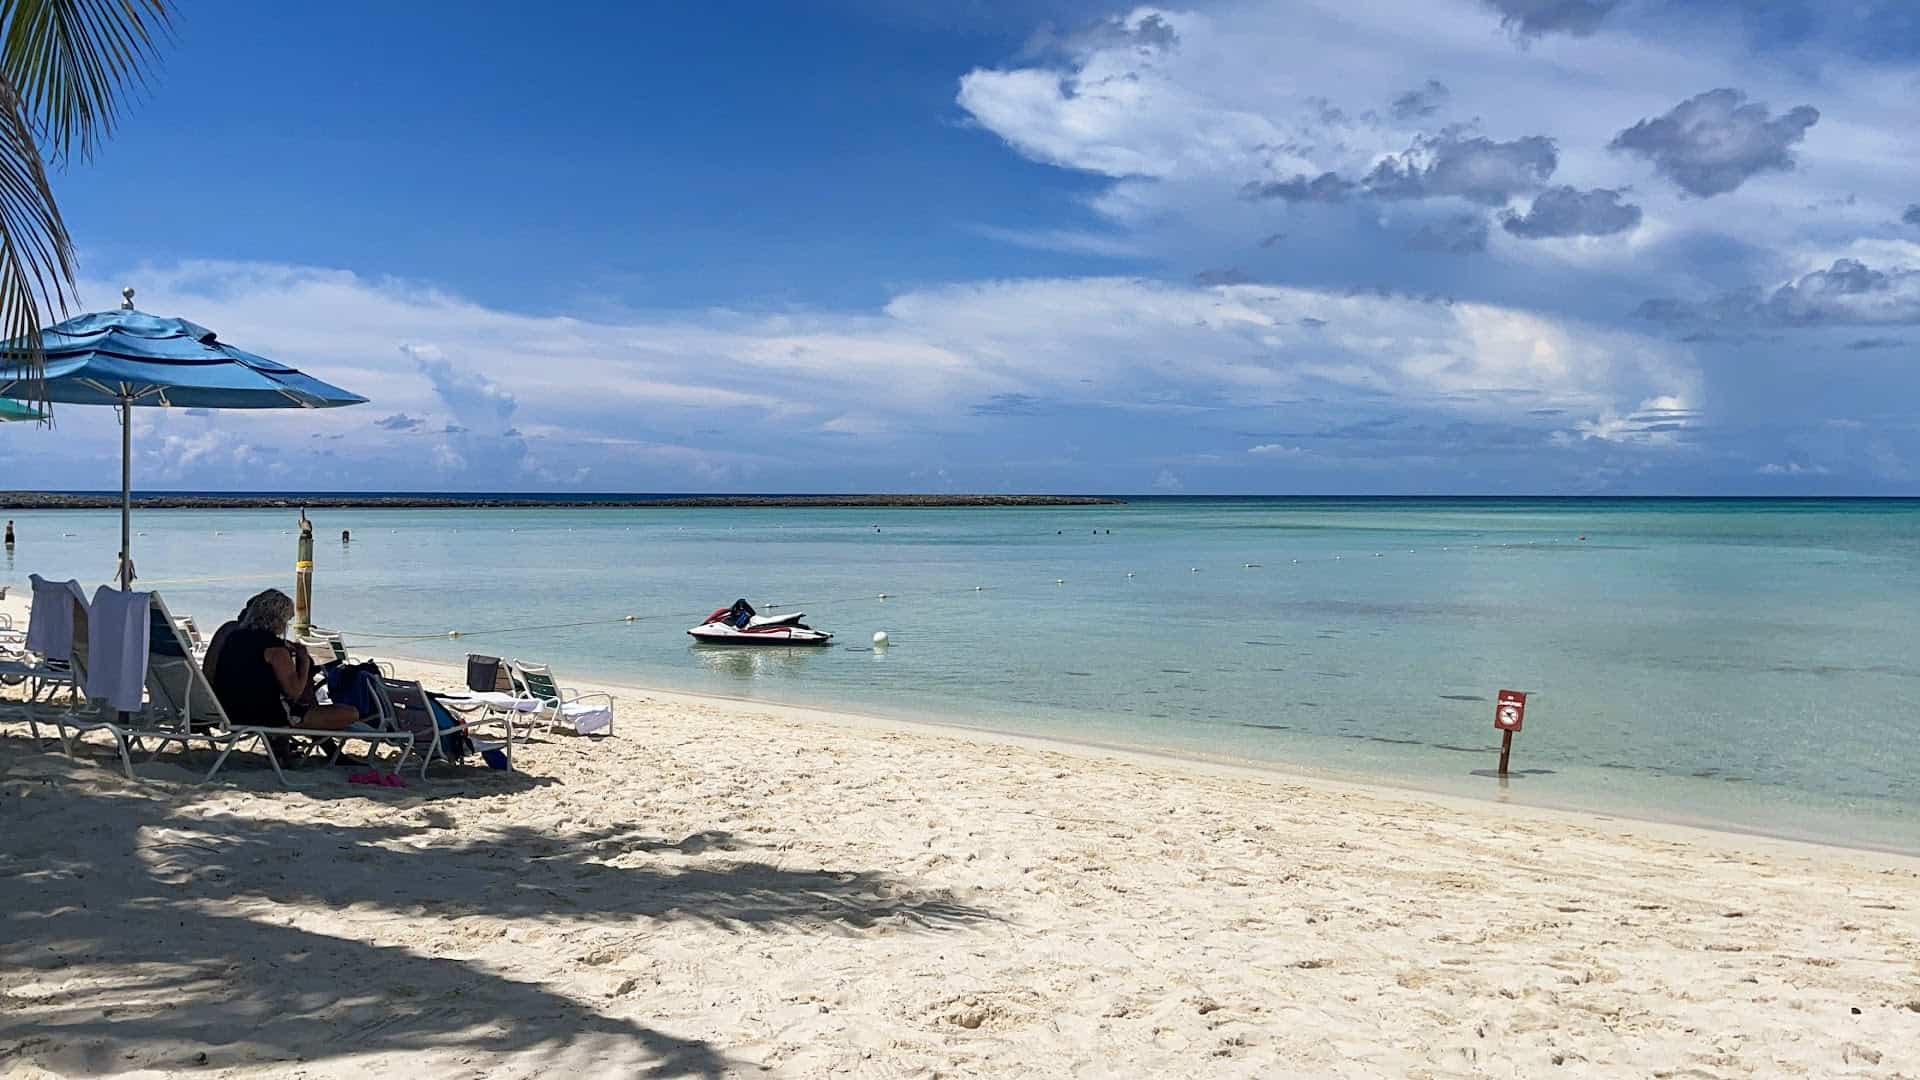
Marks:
<point>126,493</point>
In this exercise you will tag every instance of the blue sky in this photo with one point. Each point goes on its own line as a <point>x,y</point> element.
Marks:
<point>1506,246</point>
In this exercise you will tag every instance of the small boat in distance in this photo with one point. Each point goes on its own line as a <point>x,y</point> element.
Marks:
<point>741,625</point>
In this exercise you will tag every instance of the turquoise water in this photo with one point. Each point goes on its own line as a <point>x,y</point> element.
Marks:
<point>1736,663</point>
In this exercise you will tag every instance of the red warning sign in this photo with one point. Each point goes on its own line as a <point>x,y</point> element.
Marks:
<point>1510,710</point>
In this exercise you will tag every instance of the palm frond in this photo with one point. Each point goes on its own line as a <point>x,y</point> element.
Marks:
<point>36,254</point>
<point>64,65</point>
<point>71,60</point>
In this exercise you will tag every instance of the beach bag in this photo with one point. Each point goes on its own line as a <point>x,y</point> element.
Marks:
<point>352,684</point>
<point>455,744</point>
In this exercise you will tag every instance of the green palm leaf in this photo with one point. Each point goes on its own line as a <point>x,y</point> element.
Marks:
<point>64,66</point>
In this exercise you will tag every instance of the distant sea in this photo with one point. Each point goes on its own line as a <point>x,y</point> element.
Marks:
<point>1740,663</point>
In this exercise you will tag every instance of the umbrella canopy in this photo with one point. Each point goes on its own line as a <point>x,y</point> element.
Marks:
<point>131,357</point>
<point>127,358</point>
<point>16,410</point>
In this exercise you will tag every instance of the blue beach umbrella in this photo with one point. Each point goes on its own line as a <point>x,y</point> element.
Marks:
<point>126,358</point>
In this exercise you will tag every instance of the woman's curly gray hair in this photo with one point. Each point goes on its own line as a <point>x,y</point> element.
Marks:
<point>270,611</point>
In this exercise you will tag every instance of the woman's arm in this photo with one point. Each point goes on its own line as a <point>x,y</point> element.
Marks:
<point>286,671</point>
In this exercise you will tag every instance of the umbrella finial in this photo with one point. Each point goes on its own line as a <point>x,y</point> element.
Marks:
<point>126,298</point>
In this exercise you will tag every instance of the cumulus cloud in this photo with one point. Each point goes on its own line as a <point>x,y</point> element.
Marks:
<point>1120,111</point>
<point>399,422</point>
<point>1660,422</point>
<point>1328,187</point>
<point>1848,293</point>
<point>1420,103</point>
<point>516,399</point>
<point>1792,468</point>
<point>1912,216</point>
<point>469,395</point>
<point>1867,344</point>
<point>1533,18</point>
<point>1475,168</point>
<point>1713,142</point>
<point>1568,211</point>
<point>1277,450</point>
<point>1455,234</point>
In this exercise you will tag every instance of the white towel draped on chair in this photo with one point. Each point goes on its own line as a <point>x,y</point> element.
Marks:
<point>121,625</point>
<point>50,629</point>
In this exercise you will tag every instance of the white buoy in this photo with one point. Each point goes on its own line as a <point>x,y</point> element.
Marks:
<point>1129,573</point>
<point>453,633</point>
<point>879,639</point>
<point>630,618</point>
<point>1253,566</point>
<point>1195,570</point>
<point>883,596</point>
<point>979,588</point>
<point>1059,581</point>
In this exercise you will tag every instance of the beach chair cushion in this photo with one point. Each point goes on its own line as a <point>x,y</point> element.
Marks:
<point>485,674</point>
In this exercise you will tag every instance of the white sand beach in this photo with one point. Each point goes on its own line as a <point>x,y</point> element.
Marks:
<point>730,889</point>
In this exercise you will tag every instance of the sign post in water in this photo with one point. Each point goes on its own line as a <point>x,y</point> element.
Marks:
<point>1509,712</point>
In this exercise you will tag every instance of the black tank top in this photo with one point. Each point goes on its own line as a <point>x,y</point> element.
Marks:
<point>245,683</point>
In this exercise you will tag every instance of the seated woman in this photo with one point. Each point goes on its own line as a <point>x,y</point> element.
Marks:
<point>262,679</point>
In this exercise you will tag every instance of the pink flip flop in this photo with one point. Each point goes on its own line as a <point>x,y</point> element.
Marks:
<point>377,779</point>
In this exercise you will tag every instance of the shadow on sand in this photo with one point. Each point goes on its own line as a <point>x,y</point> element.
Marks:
<point>147,926</point>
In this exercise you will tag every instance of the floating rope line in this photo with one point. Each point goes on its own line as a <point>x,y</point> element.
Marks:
<point>358,635</point>
<point>364,636</point>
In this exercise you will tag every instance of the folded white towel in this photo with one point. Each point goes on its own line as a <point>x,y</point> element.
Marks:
<point>118,631</point>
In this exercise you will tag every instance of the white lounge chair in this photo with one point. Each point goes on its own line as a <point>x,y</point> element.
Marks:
<point>42,678</point>
<point>583,714</point>
<point>81,716</point>
<point>398,695</point>
<point>196,714</point>
<point>190,630</point>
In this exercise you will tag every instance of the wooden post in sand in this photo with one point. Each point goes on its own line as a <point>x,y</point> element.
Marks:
<point>303,579</point>
<point>1509,713</point>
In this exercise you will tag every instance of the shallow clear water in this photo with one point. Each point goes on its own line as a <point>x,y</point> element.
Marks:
<point>1740,663</point>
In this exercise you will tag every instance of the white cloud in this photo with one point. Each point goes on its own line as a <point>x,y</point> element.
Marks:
<point>1241,98</point>
<point>497,398</point>
<point>1792,468</point>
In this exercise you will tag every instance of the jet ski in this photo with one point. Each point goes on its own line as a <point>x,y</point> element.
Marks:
<point>741,625</point>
